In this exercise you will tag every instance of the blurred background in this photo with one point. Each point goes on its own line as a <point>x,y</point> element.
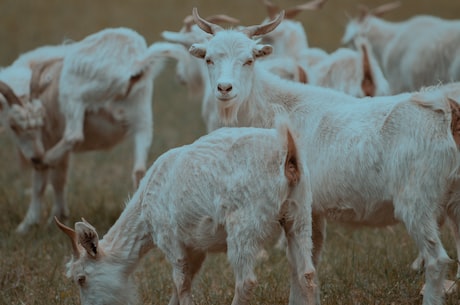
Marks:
<point>370,267</point>
<point>26,24</point>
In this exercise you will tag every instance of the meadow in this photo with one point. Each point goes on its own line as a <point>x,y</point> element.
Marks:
<point>364,266</point>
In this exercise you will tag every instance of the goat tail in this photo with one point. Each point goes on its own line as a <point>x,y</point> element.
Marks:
<point>293,164</point>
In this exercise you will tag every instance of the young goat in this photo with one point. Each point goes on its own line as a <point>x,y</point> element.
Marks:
<point>118,111</point>
<point>418,52</point>
<point>372,161</point>
<point>233,190</point>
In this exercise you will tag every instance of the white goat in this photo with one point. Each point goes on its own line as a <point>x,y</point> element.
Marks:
<point>418,52</point>
<point>372,161</point>
<point>354,72</point>
<point>115,102</point>
<point>109,68</point>
<point>231,191</point>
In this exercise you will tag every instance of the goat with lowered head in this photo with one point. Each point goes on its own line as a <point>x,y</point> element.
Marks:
<point>233,190</point>
<point>414,53</point>
<point>372,161</point>
<point>106,81</point>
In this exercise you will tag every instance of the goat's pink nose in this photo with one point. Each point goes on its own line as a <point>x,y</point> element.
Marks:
<point>224,87</point>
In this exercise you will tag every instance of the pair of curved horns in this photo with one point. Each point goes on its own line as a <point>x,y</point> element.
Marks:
<point>250,31</point>
<point>189,20</point>
<point>291,13</point>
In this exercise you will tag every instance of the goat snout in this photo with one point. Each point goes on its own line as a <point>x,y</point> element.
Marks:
<point>38,164</point>
<point>224,88</point>
<point>36,160</point>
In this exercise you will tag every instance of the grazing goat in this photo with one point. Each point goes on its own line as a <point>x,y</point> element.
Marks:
<point>372,161</point>
<point>231,191</point>
<point>114,71</point>
<point>113,66</point>
<point>418,52</point>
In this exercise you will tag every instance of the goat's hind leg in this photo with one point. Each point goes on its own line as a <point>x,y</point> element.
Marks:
<point>422,226</point>
<point>299,253</point>
<point>39,182</point>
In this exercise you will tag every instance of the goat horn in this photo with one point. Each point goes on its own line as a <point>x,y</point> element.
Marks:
<point>382,9</point>
<point>205,25</point>
<point>272,9</point>
<point>261,29</point>
<point>311,5</point>
<point>9,94</point>
<point>71,234</point>
<point>188,22</point>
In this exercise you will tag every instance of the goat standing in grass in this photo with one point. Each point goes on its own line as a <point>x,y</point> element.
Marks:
<point>372,161</point>
<point>232,190</point>
<point>92,97</point>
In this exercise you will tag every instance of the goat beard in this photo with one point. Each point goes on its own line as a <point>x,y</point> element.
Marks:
<point>228,114</point>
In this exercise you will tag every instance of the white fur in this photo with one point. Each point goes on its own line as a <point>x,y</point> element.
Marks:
<point>420,51</point>
<point>227,191</point>
<point>94,94</point>
<point>372,161</point>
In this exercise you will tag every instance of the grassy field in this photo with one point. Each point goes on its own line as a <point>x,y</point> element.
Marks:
<point>366,266</point>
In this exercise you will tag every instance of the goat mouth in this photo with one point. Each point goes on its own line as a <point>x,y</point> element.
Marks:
<point>226,99</point>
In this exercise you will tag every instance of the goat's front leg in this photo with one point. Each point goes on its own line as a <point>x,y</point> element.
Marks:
<point>73,135</point>
<point>58,177</point>
<point>39,182</point>
<point>142,143</point>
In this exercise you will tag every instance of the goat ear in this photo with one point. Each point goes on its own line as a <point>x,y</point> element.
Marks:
<point>87,237</point>
<point>262,50</point>
<point>175,37</point>
<point>198,50</point>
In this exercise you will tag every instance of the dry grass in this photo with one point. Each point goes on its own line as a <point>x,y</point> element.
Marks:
<point>367,266</point>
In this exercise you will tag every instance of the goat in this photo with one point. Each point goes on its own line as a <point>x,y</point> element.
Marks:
<point>354,72</point>
<point>372,161</point>
<point>418,52</point>
<point>232,191</point>
<point>119,72</point>
<point>120,109</point>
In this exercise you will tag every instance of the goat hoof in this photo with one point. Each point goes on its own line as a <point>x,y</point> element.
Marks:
<point>24,228</point>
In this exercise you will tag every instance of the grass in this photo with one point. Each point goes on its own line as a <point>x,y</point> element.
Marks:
<point>365,266</point>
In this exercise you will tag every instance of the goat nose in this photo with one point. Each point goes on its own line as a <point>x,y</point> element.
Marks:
<point>36,160</point>
<point>224,87</point>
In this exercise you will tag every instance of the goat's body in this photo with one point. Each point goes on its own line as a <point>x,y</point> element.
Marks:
<point>94,94</point>
<point>372,161</point>
<point>230,191</point>
<point>421,51</point>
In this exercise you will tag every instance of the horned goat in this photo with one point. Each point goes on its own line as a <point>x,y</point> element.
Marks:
<point>418,52</point>
<point>106,81</point>
<point>372,161</point>
<point>230,191</point>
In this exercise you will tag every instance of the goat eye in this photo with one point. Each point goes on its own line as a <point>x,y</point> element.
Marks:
<point>209,61</point>
<point>249,62</point>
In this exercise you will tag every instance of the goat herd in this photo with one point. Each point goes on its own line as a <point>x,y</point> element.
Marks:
<point>297,137</point>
